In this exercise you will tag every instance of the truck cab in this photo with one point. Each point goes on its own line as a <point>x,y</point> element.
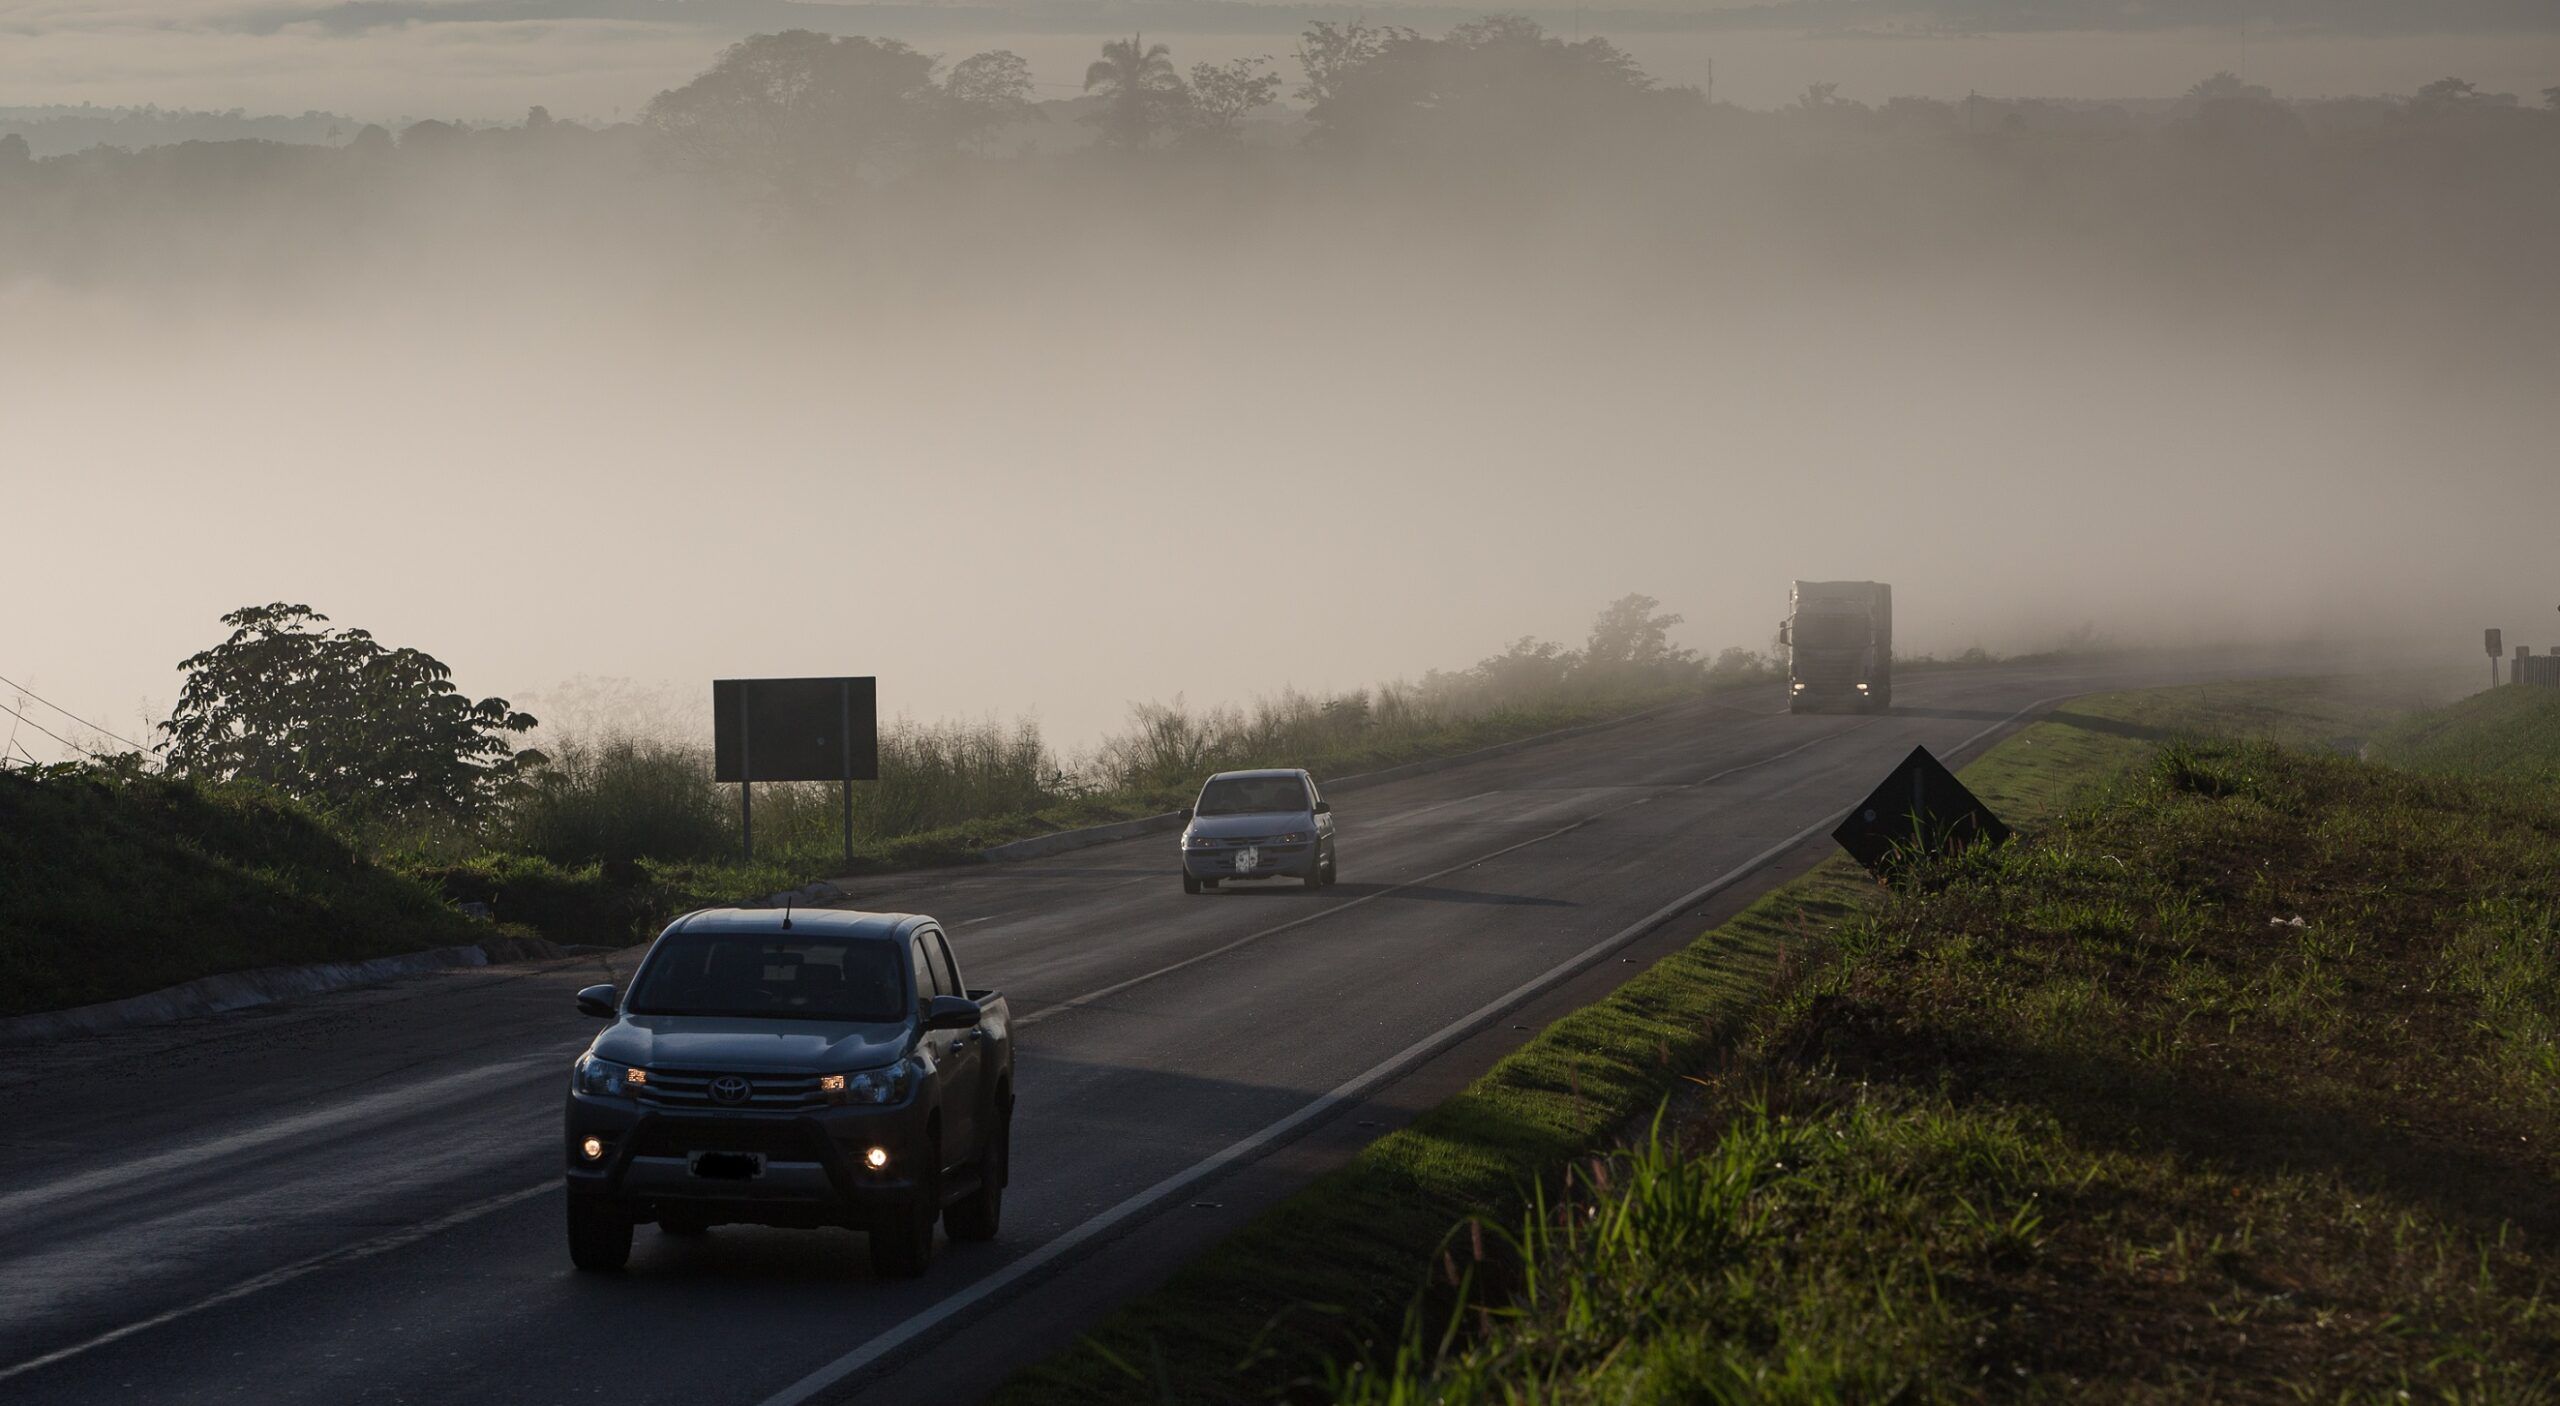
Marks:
<point>1839,641</point>
<point>808,1068</point>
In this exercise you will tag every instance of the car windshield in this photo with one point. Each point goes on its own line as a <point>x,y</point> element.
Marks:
<point>1831,631</point>
<point>1252,795</point>
<point>773,977</point>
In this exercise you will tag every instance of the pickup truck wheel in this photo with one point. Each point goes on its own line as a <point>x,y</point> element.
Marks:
<point>1190,882</point>
<point>905,1249</point>
<point>599,1234</point>
<point>976,1216</point>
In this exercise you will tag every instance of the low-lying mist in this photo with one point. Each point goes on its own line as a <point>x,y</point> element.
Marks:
<point>1025,423</point>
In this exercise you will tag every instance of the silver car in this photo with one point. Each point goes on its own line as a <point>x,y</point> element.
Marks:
<point>1258,825</point>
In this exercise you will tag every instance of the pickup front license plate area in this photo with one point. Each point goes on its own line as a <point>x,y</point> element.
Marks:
<point>726,1166</point>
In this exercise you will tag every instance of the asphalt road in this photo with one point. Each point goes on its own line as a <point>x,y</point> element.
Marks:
<point>356,1198</point>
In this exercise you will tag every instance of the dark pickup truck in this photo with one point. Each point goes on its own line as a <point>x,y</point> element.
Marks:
<point>797,1069</point>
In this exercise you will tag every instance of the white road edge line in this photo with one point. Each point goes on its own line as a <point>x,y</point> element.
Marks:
<point>917,1325</point>
<point>345,1254</point>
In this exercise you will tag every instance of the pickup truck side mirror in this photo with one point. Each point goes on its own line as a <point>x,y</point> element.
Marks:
<point>952,1013</point>
<point>1324,807</point>
<point>598,1001</point>
<point>1186,815</point>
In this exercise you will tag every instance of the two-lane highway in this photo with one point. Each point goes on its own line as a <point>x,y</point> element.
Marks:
<point>356,1197</point>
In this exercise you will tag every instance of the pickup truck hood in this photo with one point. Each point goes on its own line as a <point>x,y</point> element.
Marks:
<point>727,1042</point>
<point>1277,822</point>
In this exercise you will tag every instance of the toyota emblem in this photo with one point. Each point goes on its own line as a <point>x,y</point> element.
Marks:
<point>729,1088</point>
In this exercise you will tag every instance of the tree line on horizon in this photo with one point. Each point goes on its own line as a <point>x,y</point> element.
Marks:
<point>804,114</point>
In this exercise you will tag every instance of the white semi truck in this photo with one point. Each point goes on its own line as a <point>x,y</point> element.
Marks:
<point>1839,641</point>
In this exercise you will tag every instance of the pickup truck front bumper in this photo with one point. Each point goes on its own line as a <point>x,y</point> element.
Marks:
<point>803,1168</point>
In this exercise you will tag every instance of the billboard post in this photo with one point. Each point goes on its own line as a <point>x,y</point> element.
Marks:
<point>819,729</point>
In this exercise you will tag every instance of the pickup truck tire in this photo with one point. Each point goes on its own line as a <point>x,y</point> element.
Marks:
<point>1190,882</point>
<point>977,1215</point>
<point>599,1234</point>
<point>903,1249</point>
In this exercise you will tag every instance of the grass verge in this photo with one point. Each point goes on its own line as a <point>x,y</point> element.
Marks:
<point>113,887</point>
<point>2511,732</point>
<point>1329,1277</point>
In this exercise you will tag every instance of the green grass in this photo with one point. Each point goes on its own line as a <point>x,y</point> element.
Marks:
<point>1330,1277</point>
<point>110,888</point>
<point>2096,1118</point>
<point>2512,732</point>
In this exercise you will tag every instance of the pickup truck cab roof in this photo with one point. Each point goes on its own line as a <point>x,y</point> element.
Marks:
<point>833,922</point>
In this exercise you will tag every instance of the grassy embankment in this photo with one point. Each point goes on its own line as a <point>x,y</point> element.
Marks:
<point>112,885</point>
<point>112,888</point>
<point>2090,1116</point>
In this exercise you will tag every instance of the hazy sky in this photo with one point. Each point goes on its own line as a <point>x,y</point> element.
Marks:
<point>1073,450</point>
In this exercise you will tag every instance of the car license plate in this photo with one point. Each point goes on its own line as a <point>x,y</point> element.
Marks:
<point>1247,859</point>
<point>727,1166</point>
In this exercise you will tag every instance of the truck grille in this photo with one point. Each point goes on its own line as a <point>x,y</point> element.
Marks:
<point>689,1088</point>
<point>783,1140</point>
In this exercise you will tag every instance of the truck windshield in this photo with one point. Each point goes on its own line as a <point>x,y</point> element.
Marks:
<point>1831,632</point>
<point>772,977</point>
<point>1252,795</point>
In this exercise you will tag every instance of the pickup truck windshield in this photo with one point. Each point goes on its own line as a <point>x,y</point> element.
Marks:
<point>1252,795</point>
<point>773,978</point>
<point>1831,631</point>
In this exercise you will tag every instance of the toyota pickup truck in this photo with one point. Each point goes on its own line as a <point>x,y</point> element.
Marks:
<point>818,1068</point>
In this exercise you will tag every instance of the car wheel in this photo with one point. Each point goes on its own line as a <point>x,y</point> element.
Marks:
<point>1190,882</point>
<point>976,1216</point>
<point>903,1249</point>
<point>1333,868</point>
<point>1315,871</point>
<point>599,1234</point>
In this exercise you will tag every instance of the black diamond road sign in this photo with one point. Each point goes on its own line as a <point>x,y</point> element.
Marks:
<point>1921,806</point>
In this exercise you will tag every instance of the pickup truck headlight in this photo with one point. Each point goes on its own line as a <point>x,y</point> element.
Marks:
<point>604,1078</point>
<point>871,1086</point>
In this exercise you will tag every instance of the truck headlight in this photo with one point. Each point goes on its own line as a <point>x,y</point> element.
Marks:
<point>604,1078</point>
<point>870,1086</point>
<point>1799,688</point>
<point>1862,688</point>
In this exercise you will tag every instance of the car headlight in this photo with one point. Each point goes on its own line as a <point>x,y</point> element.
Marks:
<point>1197,842</point>
<point>605,1078</point>
<point>1292,837</point>
<point>872,1086</point>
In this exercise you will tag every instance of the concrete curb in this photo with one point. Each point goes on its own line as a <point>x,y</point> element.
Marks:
<point>234,991</point>
<point>1042,846</point>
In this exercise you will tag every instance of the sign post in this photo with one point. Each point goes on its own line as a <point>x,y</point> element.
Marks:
<point>825,729</point>
<point>2497,649</point>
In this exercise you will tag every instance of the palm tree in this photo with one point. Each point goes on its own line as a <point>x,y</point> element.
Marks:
<point>1140,90</point>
